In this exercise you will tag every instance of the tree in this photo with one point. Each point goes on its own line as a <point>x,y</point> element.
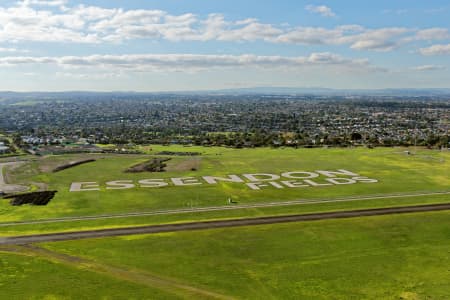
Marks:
<point>356,136</point>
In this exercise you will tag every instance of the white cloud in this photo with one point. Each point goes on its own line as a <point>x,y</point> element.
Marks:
<point>43,2</point>
<point>251,32</point>
<point>312,36</point>
<point>189,62</point>
<point>396,11</point>
<point>359,38</point>
<point>29,21</point>
<point>428,68</point>
<point>436,50</point>
<point>383,39</point>
<point>433,34</point>
<point>12,50</point>
<point>95,76</point>
<point>323,10</point>
<point>437,10</point>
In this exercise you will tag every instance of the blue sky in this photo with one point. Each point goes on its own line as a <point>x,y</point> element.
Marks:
<point>54,45</point>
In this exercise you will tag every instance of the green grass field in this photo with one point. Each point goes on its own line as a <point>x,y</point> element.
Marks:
<point>31,277</point>
<point>383,257</point>
<point>398,173</point>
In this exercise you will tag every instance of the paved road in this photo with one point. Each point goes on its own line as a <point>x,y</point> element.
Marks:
<point>64,236</point>
<point>9,188</point>
<point>218,208</point>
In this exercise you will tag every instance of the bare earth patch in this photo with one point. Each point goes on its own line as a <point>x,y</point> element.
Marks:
<point>156,164</point>
<point>190,164</point>
<point>10,188</point>
<point>72,164</point>
<point>48,164</point>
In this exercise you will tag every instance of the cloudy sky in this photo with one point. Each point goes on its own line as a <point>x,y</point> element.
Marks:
<point>103,45</point>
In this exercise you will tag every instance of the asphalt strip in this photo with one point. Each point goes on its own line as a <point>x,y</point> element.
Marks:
<point>65,236</point>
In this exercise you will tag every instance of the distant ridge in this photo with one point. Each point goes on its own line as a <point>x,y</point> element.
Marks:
<point>342,92</point>
<point>316,91</point>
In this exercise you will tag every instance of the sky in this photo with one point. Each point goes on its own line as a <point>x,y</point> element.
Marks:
<point>181,45</point>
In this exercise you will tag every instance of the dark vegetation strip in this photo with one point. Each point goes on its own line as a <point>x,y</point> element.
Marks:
<point>71,165</point>
<point>171,153</point>
<point>53,237</point>
<point>34,198</point>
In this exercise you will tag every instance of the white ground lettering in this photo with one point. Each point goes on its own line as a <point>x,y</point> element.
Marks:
<point>294,175</point>
<point>152,183</point>
<point>231,178</point>
<point>120,185</point>
<point>294,184</point>
<point>259,185</point>
<point>254,177</point>
<point>341,181</point>
<point>312,183</point>
<point>256,185</point>
<point>185,181</point>
<point>276,185</point>
<point>338,172</point>
<point>84,186</point>
<point>258,181</point>
<point>365,179</point>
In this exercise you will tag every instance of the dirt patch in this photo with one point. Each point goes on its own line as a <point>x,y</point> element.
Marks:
<point>72,164</point>
<point>10,188</point>
<point>156,164</point>
<point>191,164</point>
<point>171,153</point>
<point>46,164</point>
<point>40,185</point>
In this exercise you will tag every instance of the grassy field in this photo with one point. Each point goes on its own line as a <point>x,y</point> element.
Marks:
<point>27,276</point>
<point>384,257</point>
<point>397,173</point>
<point>425,171</point>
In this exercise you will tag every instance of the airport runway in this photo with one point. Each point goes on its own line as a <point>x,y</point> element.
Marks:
<point>64,236</point>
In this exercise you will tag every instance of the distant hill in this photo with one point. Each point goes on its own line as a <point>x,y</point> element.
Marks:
<point>342,92</point>
<point>8,97</point>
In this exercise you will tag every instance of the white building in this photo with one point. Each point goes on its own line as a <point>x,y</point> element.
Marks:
<point>3,149</point>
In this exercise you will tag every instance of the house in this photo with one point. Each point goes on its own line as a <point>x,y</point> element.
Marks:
<point>4,149</point>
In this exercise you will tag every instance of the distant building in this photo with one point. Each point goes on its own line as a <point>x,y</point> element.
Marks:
<point>4,149</point>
